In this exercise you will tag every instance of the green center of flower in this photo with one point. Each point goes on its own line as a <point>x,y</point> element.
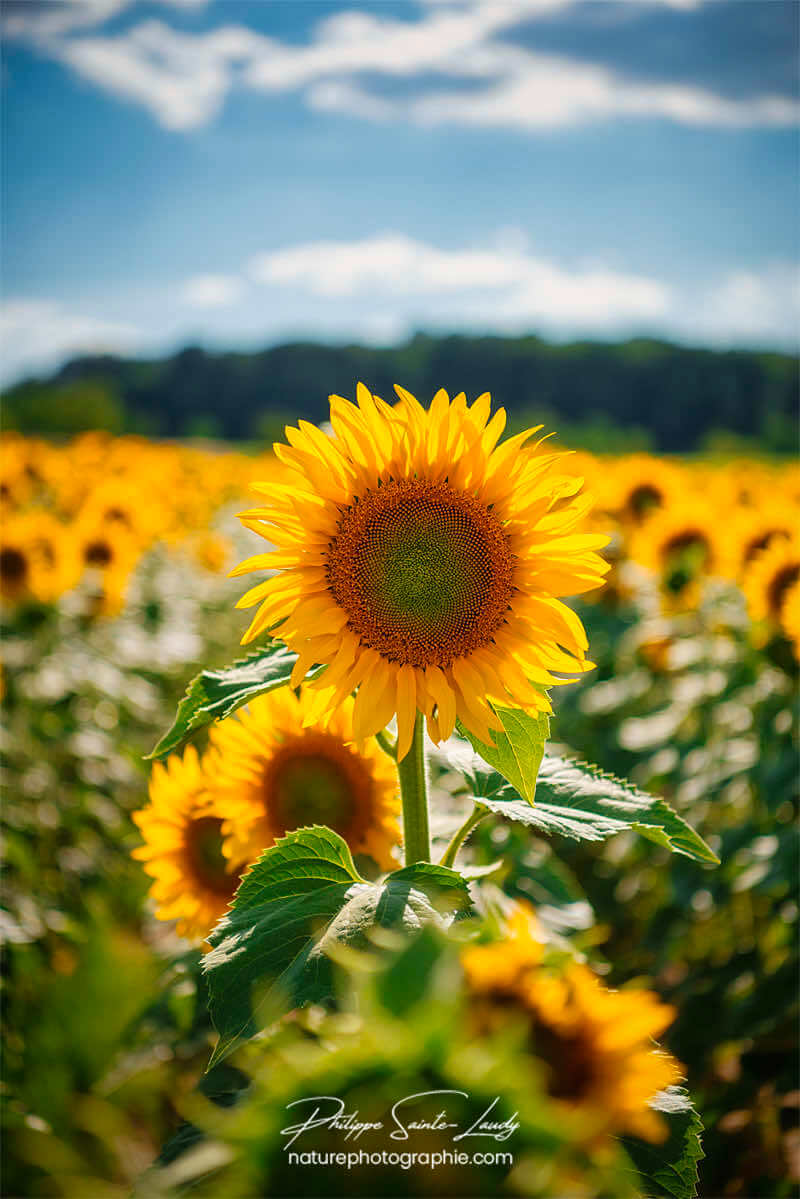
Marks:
<point>311,790</point>
<point>424,572</point>
<point>204,840</point>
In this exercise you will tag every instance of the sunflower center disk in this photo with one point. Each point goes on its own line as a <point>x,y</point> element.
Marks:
<point>205,848</point>
<point>314,779</point>
<point>423,572</point>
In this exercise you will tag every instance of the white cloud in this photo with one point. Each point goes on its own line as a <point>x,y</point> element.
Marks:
<point>394,282</point>
<point>39,334</point>
<point>212,291</point>
<point>751,305</point>
<point>52,20</point>
<point>182,78</point>
<point>502,284</point>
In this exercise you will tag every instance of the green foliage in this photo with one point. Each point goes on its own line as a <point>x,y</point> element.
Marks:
<point>578,801</point>
<point>670,1169</point>
<point>215,694</point>
<point>590,391</point>
<point>65,408</point>
<point>517,750</point>
<point>301,900</point>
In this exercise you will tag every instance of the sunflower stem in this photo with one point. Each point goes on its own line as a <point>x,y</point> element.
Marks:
<point>460,835</point>
<point>414,794</point>
<point>387,744</point>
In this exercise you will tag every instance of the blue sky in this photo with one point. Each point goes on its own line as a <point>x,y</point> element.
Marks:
<point>236,173</point>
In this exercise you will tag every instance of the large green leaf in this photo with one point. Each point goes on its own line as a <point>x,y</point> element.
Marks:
<point>579,801</point>
<point>518,748</point>
<point>301,898</point>
<point>214,694</point>
<point>670,1168</point>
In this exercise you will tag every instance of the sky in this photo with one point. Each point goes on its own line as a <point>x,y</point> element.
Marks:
<point>235,173</point>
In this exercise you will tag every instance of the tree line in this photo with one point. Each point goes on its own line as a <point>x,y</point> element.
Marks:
<point>635,394</point>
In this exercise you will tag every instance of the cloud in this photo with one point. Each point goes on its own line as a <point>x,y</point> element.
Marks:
<point>39,334</point>
<point>212,291</point>
<point>503,284</point>
<point>36,19</point>
<point>752,305</point>
<point>396,282</point>
<point>183,78</point>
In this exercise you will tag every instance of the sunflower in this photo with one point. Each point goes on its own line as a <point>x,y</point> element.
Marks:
<point>271,775</point>
<point>790,617</point>
<point>109,556</point>
<point>420,562</point>
<point>637,486</point>
<point>595,1044</point>
<point>38,558</point>
<point>770,577</point>
<point>754,530</point>
<point>182,831</point>
<point>682,544</point>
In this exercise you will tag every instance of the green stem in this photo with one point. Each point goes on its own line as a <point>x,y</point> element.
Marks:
<point>387,745</point>
<point>460,835</point>
<point>414,794</point>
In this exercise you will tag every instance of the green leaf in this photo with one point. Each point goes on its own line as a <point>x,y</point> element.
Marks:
<point>579,801</point>
<point>518,749</point>
<point>301,898</point>
<point>670,1168</point>
<point>214,694</point>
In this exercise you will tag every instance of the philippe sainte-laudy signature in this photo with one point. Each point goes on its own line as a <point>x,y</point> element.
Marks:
<point>403,1120</point>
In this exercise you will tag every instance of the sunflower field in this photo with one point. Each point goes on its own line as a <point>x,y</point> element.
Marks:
<point>475,873</point>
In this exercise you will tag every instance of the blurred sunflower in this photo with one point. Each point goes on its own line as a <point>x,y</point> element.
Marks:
<point>109,556</point>
<point>681,544</point>
<point>596,1044</point>
<point>754,529</point>
<point>790,617</point>
<point>38,557</point>
<point>271,775</point>
<point>193,881</point>
<point>420,562</point>
<point>771,575</point>
<point>122,504</point>
<point>637,486</point>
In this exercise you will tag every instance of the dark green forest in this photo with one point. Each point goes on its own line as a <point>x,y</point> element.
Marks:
<point>639,394</point>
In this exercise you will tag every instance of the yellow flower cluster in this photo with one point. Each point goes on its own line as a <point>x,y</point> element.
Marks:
<point>601,1064</point>
<point>264,774</point>
<point>87,511</point>
<point>90,509</point>
<point>689,522</point>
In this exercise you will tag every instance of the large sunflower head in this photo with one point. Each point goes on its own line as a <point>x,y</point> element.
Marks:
<point>596,1045</point>
<point>422,562</point>
<point>193,881</point>
<point>273,773</point>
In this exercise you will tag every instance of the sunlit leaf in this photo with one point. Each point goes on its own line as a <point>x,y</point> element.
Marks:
<point>579,801</point>
<point>671,1167</point>
<point>300,899</point>
<point>214,694</point>
<point>518,748</point>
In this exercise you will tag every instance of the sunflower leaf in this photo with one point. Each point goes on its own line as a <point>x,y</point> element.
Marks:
<point>301,899</point>
<point>518,749</point>
<point>578,801</point>
<point>670,1169</point>
<point>214,694</point>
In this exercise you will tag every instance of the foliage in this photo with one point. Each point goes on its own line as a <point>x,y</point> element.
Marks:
<point>591,386</point>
